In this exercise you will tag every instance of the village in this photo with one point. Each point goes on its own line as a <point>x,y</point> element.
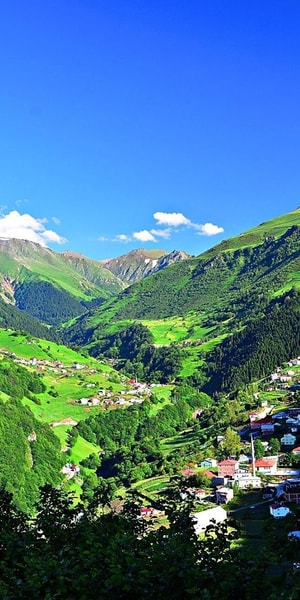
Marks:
<point>279,486</point>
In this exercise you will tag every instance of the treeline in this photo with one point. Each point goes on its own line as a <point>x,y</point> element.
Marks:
<point>256,350</point>
<point>134,352</point>
<point>43,301</point>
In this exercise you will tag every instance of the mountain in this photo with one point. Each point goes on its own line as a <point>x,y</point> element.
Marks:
<point>48,286</point>
<point>198,302</point>
<point>57,287</point>
<point>137,264</point>
<point>188,305</point>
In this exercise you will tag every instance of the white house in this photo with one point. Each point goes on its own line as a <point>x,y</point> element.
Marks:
<point>208,517</point>
<point>83,401</point>
<point>247,481</point>
<point>224,495</point>
<point>267,466</point>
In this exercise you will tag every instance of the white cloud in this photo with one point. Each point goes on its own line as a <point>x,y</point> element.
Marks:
<point>144,236</point>
<point>26,227</point>
<point>171,219</point>
<point>164,233</point>
<point>50,236</point>
<point>122,238</point>
<point>102,238</point>
<point>208,229</point>
<point>55,220</point>
<point>171,222</point>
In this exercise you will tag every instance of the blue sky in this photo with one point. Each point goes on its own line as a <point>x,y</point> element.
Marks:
<point>155,124</point>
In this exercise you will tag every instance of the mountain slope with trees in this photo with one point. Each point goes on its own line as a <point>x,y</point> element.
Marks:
<point>227,289</point>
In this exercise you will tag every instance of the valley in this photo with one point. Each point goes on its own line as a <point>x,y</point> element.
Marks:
<point>133,392</point>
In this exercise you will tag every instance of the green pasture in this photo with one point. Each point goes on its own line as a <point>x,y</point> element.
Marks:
<point>25,346</point>
<point>272,396</point>
<point>177,329</point>
<point>166,331</point>
<point>162,392</point>
<point>210,344</point>
<point>54,410</point>
<point>67,389</point>
<point>62,433</point>
<point>81,449</point>
<point>192,361</point>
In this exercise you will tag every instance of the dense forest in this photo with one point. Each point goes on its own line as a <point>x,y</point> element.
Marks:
<point>13,318</point>
<point>43,301</point>
<point>257,349</point>
<point>30,452</point>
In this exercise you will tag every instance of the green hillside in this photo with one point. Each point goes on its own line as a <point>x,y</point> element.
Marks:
<point>196,303</point>
<point>231,284</point>
<point>256,235</point>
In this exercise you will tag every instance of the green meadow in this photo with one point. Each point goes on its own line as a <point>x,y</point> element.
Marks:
<point>28,347</point>
<point>81,449</point>
<point>177,329</point>
<point>64,384</point>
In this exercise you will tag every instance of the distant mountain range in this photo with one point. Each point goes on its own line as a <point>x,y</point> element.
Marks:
<point>195,303</point>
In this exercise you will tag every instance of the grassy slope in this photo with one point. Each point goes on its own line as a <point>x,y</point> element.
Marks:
<point>69,386</point>
<point>198,284</point>
<point>256,235</point>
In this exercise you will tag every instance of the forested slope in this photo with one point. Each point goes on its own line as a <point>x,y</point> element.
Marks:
<point>259,348</point>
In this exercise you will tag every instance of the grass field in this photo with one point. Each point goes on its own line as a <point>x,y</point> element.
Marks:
<point>151,487</point>
<point>176,329</point>
<point>82,449</point>
<point>192,361</point>
<point>65,384</point>
<point>177,441</point>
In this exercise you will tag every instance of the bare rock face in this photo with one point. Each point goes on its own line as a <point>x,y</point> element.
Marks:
<point>140,263</point>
